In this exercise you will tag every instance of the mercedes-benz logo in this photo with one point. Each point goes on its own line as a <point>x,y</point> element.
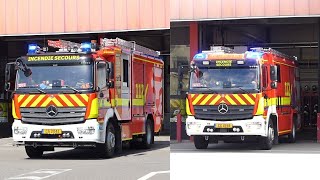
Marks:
<point>223,108</point>
<point>52,111</point>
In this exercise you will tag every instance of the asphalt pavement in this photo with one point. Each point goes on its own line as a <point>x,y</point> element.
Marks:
<point>131,164</point>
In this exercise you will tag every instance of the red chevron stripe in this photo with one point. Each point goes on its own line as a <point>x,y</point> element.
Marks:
<point>61,101</point>
<point>244,99</point>
<point>203,97</point>
<point>234,99</point>
<point>32,100</point>
<point>194,97</point>
<point>81,99</point>
<point>71,100</point>
<point>211,99</point>
<point>43,100</point>
<point>23,99</point>
<point>219,101</point>
<point>252,97</point>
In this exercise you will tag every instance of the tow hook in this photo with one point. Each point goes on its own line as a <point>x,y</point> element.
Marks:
<point>206,138</point>
<point>242,138</point>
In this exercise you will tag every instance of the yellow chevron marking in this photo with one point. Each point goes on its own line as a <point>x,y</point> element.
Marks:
<point>239,99</point>
<point>76,99</point>
<point>20,97</point>
<point>46,102</point>
<point>254,95</point>
<point>230,100</point>
<point>57,102</point>
<point>197,99</point>
<point>248,98</point>
<point>37,100</point>
<point>85,97</point>
<point>215,100</point>
<point>206,100</point>
<point>192,95</point>
<point>66,100</point>
<point>24,104</point>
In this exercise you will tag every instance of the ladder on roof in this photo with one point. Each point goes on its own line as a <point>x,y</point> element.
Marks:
<point>219,49</point>
<point>64,45</point>
<point>273,51</point>
<point>105,42</point>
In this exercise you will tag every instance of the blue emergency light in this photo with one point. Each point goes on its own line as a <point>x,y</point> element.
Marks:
<point>86,47</point>
<point>32,48</point>
<point>253,55</point>
<point>200,56</point>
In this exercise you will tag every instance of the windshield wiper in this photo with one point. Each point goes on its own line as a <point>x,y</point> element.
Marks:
<point>210,89</point>
<point>40,90</point>
<point>239,87</point>
<point>74,89</point>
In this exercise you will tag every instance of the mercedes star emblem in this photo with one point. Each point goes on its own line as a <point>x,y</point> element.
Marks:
<point>223,108</point>
<point>52,111</point>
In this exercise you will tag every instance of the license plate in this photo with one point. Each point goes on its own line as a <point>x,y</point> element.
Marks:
<point>223,126</point>
<point>51,131</point>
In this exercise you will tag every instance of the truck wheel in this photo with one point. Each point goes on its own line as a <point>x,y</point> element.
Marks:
<point>34,153</point>
<point>200,142</point>
<point>148,136</point>
<point>107,149</point>
<point>292,135</point>
<point>266,142</point>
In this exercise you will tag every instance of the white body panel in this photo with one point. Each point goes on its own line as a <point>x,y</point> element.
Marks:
<point>196,126</point>
<point>97,135</point>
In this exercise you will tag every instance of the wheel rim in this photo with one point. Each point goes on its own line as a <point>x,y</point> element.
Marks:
<point>112,140</point>
<point>271,134</point>
<point>149,134</point>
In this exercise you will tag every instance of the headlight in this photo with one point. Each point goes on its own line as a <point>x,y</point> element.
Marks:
<point>87,130</point>
<point>20,131</point>
<point>192,125</point>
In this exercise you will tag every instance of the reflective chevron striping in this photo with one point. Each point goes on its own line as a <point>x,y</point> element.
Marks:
<point>231,99</point>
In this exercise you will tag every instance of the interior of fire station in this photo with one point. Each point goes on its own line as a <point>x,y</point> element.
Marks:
<point>292,36</point>
<point>12,47</point>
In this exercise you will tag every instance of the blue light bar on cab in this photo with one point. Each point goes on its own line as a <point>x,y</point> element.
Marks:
<point>86,47</point>
<point>32,48</point>
<point>200,56</point>
<point>253,55</point>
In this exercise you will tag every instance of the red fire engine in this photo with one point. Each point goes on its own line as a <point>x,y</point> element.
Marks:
<point>251,96</point>
<point>80,96</point>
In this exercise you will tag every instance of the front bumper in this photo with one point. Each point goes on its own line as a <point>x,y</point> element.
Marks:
<point>88,132</point>
<point>250,127</point>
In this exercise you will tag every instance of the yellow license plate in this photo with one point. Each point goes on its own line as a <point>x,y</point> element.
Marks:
<point>51,131</point>
<point>222,126</point>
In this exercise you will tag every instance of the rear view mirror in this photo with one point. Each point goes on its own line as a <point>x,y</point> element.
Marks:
<point>273,73</point>
<point>7,86</point>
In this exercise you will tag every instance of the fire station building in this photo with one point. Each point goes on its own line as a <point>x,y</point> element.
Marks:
<point>289,26</point>
<point>146,22</point>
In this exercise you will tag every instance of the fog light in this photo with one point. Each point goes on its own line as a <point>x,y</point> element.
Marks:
<point>254,125</point>
<point>234,129</point>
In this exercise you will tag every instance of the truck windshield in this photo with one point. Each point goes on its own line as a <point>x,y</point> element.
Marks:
<point>59,77</point>
<point>239,79</point>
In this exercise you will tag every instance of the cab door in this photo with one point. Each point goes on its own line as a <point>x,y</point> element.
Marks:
<point>123,86</point>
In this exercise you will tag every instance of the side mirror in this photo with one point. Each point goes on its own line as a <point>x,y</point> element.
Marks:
<point>274,85</point>
<point>110,84</point>
<point>110,70</point>
<point>7,86</point>
<point>274,73</point>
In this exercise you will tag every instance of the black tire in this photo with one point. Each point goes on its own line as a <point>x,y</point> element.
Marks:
<point>267,142</point>
<point>200,142</point>
<point>292,135</point>
<point>107,149</point>
<point>34,153</point>
<point>148,137</point>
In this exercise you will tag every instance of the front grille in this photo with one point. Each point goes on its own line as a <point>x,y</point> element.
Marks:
<point>64,116</point>
<point>234,113</point>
